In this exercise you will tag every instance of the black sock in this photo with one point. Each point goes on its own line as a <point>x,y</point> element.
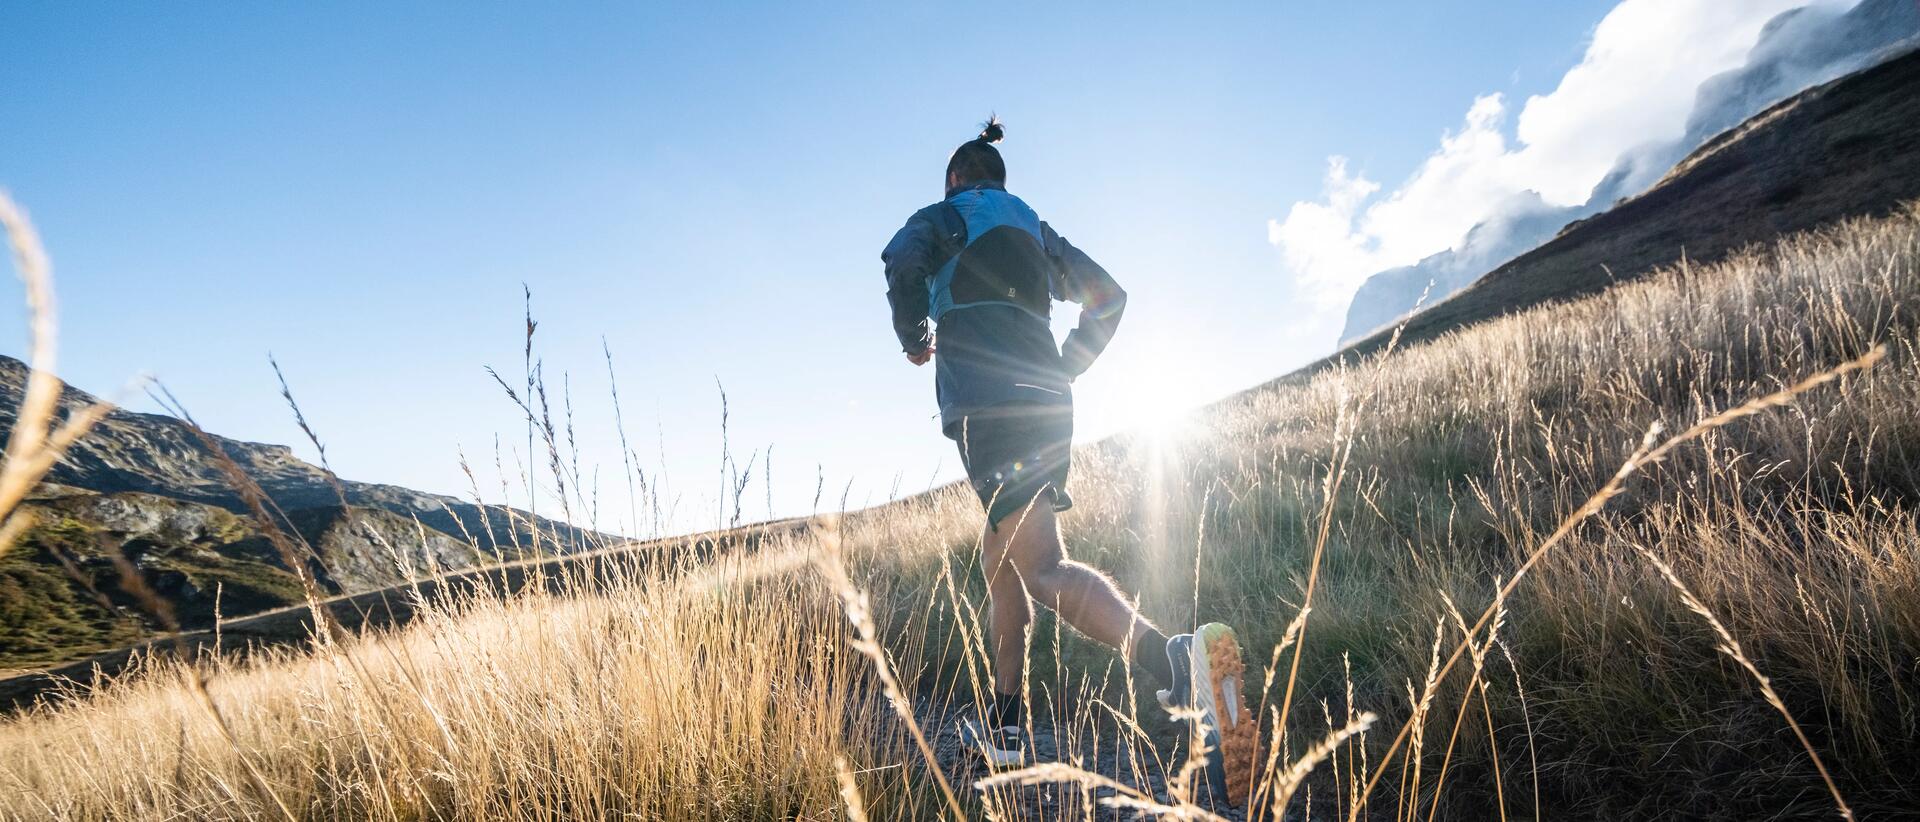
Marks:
<point>1004,712</point>
<point>1150,654</point>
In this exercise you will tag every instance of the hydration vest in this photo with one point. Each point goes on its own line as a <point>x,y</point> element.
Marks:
<point>994,254</point>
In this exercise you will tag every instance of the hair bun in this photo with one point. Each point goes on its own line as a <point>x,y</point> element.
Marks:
<point>992,131</point>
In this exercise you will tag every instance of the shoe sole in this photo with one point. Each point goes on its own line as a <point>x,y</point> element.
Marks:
<point>1235,736</point>
<point>996,757</point>
<point>999,758</point>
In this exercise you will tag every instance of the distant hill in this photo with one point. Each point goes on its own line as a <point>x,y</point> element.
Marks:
<point>1797,50</point>
<point>1848,148</point>
<point>143,487</point>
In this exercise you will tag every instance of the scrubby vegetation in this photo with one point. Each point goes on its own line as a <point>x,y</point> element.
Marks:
<point>730,686</point>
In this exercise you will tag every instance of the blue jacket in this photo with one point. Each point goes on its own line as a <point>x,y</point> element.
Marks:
<point>985,269</point>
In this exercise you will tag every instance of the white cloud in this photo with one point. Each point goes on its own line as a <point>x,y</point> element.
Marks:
<point>1634,86</point>
<point>1319,240</point>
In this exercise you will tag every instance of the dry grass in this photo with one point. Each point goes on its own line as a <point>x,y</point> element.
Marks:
<point>730,687</point>
<point>589,707</point>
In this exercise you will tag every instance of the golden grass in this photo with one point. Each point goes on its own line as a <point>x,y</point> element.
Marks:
<point>731,687</point>
<point>583,707</point>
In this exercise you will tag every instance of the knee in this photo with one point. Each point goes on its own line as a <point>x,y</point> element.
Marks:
<point>1046,579</point>
<point>1010,580</point>
<point>1037,577</point>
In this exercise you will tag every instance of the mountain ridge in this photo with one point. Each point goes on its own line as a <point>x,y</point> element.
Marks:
<point>159,454</point>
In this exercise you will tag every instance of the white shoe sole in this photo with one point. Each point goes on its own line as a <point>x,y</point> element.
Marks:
<point>997,757</point>
<point>1219,701</point>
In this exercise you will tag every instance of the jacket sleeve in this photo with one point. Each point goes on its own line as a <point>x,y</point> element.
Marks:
<point>1080,280</point>
<point>909,262</point>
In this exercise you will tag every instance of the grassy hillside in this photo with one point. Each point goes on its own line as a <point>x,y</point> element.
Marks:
<point>728,688</point>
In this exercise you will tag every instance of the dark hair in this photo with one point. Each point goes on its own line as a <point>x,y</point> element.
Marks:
<point>976,160</point>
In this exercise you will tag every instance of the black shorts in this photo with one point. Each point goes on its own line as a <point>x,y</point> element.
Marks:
<point>1013,453</point>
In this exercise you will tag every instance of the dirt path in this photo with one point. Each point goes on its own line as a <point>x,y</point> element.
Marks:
<point>1138,763</point>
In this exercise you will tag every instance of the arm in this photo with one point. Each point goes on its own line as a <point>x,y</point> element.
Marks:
<point>1102,302</point>
<point>908,259</point>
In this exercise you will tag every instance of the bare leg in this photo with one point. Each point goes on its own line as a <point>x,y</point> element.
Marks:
<point>1024,558</point>
<point>1009,613</point>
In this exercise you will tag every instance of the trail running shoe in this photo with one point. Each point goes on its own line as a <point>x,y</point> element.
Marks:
<point>1004,747</point>
<point>1211,682</point>
<point>1180,659</point>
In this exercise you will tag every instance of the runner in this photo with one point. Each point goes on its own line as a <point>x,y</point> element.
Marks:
<point>986,270</point>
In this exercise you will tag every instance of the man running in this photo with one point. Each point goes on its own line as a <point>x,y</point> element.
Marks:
<point>983,267</point>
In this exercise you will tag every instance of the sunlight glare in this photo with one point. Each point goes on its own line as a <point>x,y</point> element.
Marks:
<point>1159,411</point>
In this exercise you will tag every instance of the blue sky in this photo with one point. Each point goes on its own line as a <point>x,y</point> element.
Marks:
<point>362,191</point>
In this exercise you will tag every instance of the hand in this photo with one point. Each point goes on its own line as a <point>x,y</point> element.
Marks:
<point>921,358</point>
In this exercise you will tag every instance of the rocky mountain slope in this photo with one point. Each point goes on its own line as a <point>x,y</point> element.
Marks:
<point>1799,49</point>
<point>142,492</point>
<point>1848,148</point>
